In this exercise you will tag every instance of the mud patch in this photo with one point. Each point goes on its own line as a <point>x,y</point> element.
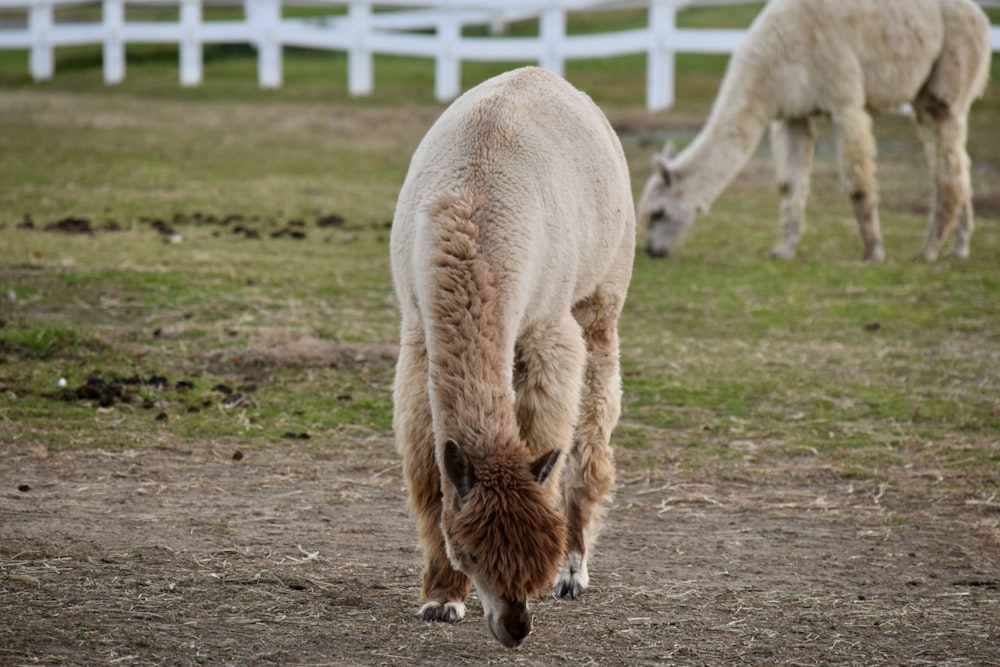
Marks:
<point>237,224</point>
<point>71,225</point>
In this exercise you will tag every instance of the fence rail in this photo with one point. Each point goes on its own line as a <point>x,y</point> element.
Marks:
<point>365,28</point>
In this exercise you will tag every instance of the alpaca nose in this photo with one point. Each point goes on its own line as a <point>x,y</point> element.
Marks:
<point>657,252</point>
<point>518,628</point>
<point>513,627</point>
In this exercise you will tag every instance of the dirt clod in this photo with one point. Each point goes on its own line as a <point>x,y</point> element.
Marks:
<point>70,225</point>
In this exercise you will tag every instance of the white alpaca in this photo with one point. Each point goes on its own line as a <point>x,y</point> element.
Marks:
<point>512,249</point>
<point>847,59</point>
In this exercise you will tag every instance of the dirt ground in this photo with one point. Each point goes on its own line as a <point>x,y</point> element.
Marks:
<point>206,554</point>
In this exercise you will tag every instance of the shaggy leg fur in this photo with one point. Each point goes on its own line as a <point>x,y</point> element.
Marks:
<point>548,376</point>
<point>944,134</point>
<point>444,589</point>
<point>857,156</point>
<point>590,470</point>
<point>548,380</point>
<point>793,143</point>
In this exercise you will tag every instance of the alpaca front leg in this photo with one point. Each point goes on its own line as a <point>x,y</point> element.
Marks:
<point>952,200</point>
<point>793,143</point>
<point>963,235</point>
<point>857,155</point>
<point>590,472</point>
<point>444,589</point>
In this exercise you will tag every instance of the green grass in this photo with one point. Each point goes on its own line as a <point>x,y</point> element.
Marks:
<point>729,359</point>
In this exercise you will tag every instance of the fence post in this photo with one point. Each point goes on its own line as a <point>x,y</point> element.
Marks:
<point>660,60</point>
<point>266,17</point>
<point>41,62</point>
<point>360,64</point>
<point>447,66</point>
<point>190,47</point>
<point>113,17</point>
<point>552,33</point>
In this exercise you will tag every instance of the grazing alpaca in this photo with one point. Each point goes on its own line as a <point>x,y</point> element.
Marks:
<point>512,248</point>
<point>847,59</point>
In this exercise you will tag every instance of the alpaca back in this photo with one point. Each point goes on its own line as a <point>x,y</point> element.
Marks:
<point>810,55</point>
<point>541,159</point>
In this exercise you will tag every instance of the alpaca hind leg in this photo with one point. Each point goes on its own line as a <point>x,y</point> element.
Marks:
<point>444,589</point>
<point>857,160</point>
<point>793,143</point>
<point>590,472</point>
<point>951,203</point>
<point>963,233</point>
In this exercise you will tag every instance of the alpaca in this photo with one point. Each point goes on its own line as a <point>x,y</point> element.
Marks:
<point>848,59</point>
<point>512,248</point>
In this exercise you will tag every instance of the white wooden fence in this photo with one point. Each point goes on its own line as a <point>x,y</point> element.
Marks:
<point>364,28</point>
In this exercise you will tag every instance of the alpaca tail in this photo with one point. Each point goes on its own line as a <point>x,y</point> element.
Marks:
<point>464,315</point>
<point>463,279</point>
<point>455,235</point>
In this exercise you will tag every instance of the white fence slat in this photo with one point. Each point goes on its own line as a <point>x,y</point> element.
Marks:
<point>42,60</point>
<point>190,43</point>
<point>447,66</point>
<point>266,20</point>
<point>552,35</point>
<point>360,60</point>
<point>113,15</point>
<point>660,59</point>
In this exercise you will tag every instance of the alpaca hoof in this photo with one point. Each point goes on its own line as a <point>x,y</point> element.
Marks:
<point>449,612</point>
<point>569,588</point>
<point>781,252</point>
<point>572,579</point>
<point>876,254</point>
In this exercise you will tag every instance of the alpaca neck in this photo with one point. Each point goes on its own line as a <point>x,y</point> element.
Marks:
<point>720,151</point>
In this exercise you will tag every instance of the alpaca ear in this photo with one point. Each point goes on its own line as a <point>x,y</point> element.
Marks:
<point>459,471</point>
<point>669,151</point>
<point>661,165</point>
<point>543,466</point>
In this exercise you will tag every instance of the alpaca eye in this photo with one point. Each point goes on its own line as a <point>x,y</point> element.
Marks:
<point>658,215</point>
<point>474,559</point>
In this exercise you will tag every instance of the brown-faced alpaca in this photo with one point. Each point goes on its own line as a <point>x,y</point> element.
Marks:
<point>849,60</point>
<point>512,250</point>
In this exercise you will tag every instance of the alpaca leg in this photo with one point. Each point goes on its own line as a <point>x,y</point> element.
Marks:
<point>857,155</point>
<point>793,143</point>
<point>444,589</point>
<point>590,472</point>
<point>952,199</point>
<point>548,375</point>
<point>548,379</point>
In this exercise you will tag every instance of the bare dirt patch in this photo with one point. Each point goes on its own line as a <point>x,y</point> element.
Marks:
<point>209,554</point>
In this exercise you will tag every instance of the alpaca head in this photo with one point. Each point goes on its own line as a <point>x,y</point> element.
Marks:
<point>660,209</point>
<point>502,529</point>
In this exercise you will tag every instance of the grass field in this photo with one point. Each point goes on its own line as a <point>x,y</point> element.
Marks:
<point>821,353</point>
<point>232,281</point>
